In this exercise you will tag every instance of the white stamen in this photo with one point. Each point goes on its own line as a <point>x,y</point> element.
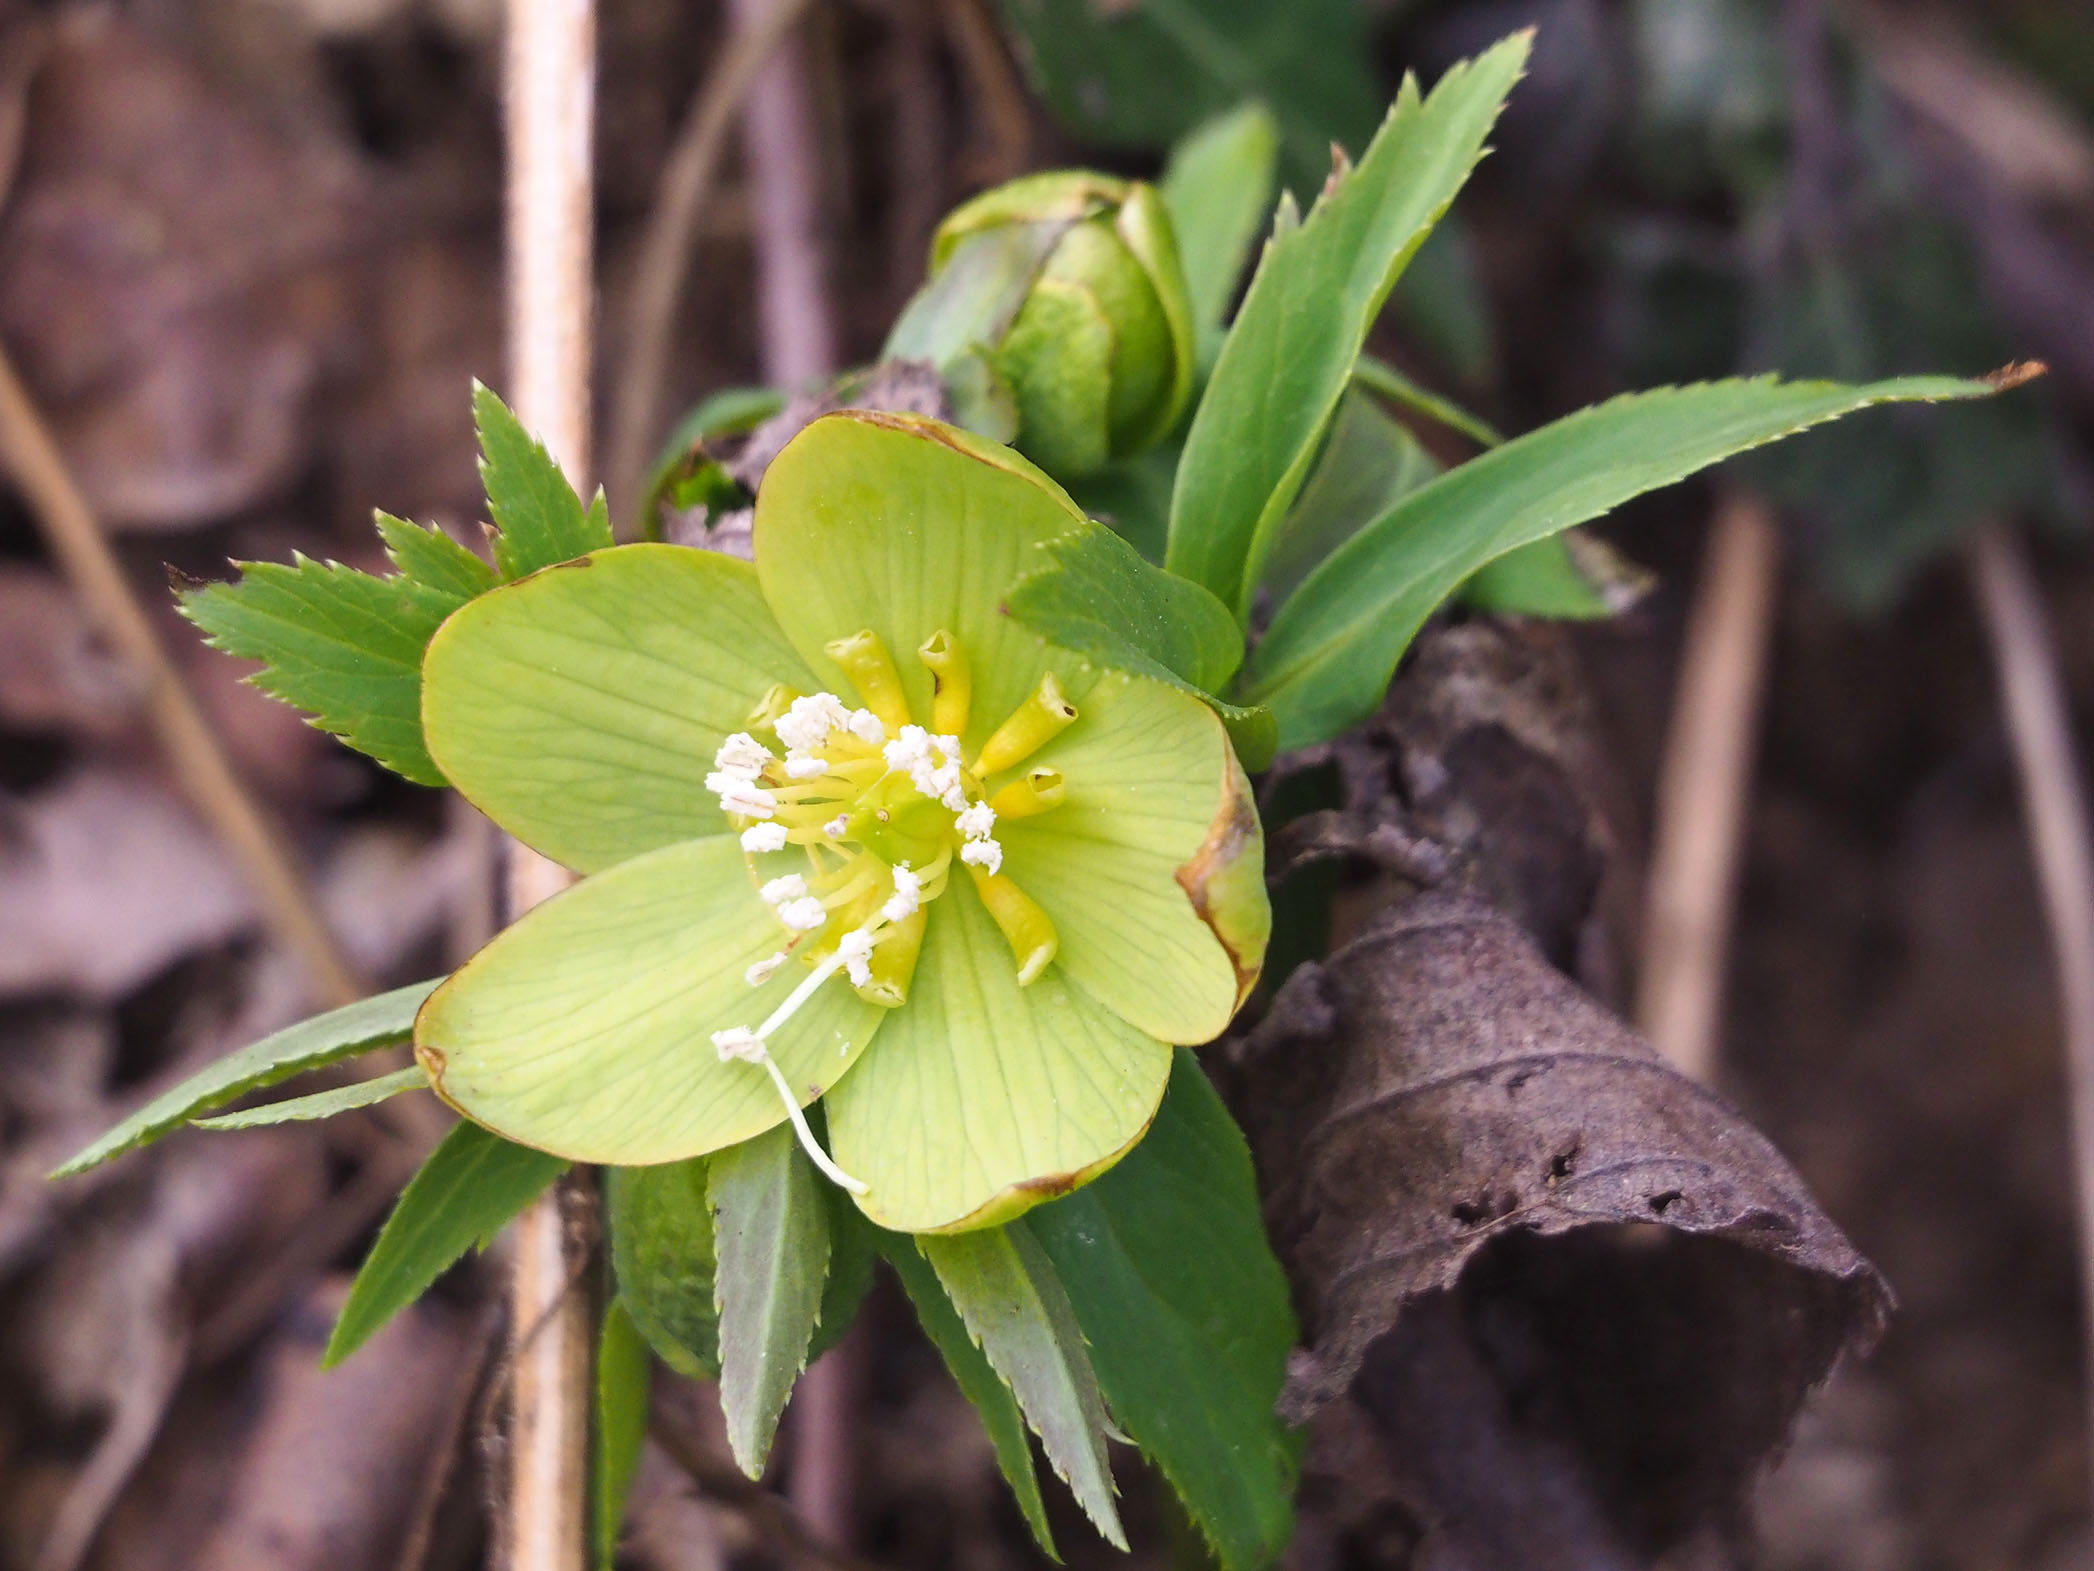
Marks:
<point>807,913</point>
<point>985,854</point>
<point>856,949</point>
<point>764,837</point>
<point>779,890</point>
<point>976,822</point>
<point>805,766</point>
<point>866,727</point>
<point>740,797</point>
<point>908,895</point>
<point>741,754</point>
<point>909,751</point>
<point>806,725</point>
<point>764,969</point>
<point>836,827</point>
<point>740,1042</point>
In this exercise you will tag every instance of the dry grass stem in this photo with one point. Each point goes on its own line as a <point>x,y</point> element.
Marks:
<point>1703,789</point>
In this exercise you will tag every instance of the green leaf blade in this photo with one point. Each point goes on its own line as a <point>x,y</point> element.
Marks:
<point>1318,288</point>
<point>321,1104</point>
<point>385,1020</point>
<point>471,1186</point>
<point>663,1261</point>
<point>620,1421</point>
<point>1017,1312</point>
<point>771,1231</point>
<point>977,1379</point>
<point>1218,187</point>
<point>540,518</point>
<point>1187,1316</point>
<point>433,558</point>
<point>342,645</point>
<point>1093,593</point>
<point>1335,643</point>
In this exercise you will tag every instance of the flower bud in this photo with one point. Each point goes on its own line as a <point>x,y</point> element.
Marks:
<point>1068,287</point>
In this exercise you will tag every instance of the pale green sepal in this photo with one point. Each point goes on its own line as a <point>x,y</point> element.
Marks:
<point>1015,1308</point>
<point>771,1234</point>
<point>1118,864</point>
<point>1058,360</point>
<point>1289,355</point>
<point>467,1191</point>
<point>977,1379</point>
<point>1144,225</point>
<point>581,708</point>
<point>976,293</point>
<point>623,1393</point>
<point>321,1104</point>
<point>386,1020</point>
<point>984,1098</point>
<point>910,527</point>
<point>1332,648</point>
<point>662,1260</point>
<point>585,1027</point>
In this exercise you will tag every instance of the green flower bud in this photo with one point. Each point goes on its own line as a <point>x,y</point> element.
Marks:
<point>1066,289</point>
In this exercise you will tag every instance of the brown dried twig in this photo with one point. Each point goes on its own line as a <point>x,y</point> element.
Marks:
<point>665,250</point>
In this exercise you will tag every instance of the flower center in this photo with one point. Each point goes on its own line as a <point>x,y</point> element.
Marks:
<point>883,810</point>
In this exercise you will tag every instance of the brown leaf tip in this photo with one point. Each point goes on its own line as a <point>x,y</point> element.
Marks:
<point>2011,376</point>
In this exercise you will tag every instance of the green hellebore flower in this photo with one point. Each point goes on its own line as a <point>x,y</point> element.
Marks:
<point>1070,285</point>
<point>851,832</point>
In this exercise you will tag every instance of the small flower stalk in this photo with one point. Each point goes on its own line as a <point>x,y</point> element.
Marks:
<point>853,835</point>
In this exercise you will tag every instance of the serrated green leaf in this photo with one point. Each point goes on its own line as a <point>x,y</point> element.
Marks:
<point>1187,1316</point>
<point>321,1104</point>
<point>382,1021</point>
<point>1218,188</point>
<point>771,1231</point>
<point>620,1422</point>
<point>466,1192</point>
<point>540,519</point>
<point>342,645</point>
<point>1096,595</point>
<point>1385,381</point>
<point>1090,591</point>
<point>1334,645</point>
<point>978,1381</point>
<point>853,1247</point>
<point>1018,1313</point>
<point>433,558</point>
<point>1290,353</point>
<point>663,1262</point>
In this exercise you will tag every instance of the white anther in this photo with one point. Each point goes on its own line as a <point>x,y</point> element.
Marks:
<point>806,914</point>
<point>806,725</point>
<point>740,1042</point>
<point>764,969</point>
<point>779,890</point>
<point>856,949</point>
<point>764,837</point>
<point>739,796</point>
<point>907,896</point>
<point>742,755</point>
<point>805,766</point>
<point>976,822</point>
<point>984,854</point>
<point>866,727</point>
<point>949,746</point>
<point>836,827</point>
<point>909,751</point>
